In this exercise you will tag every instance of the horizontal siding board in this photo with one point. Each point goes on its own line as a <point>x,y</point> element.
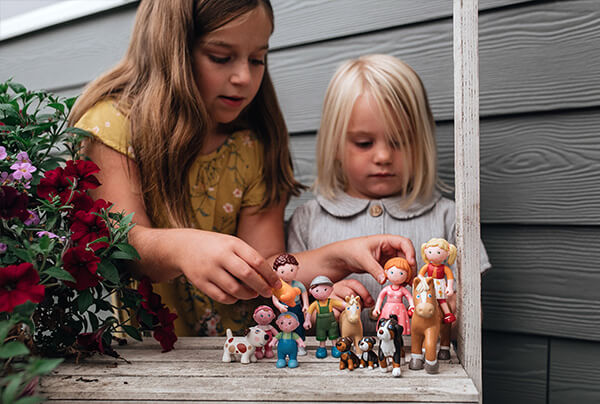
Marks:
<point>574,372</point>
<point>514,368</point>
<point>543,56</point>
<point>535,169</point>
<point>542,281</point>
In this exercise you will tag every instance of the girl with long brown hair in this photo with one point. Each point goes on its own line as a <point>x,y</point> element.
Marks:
<point>189,135</point>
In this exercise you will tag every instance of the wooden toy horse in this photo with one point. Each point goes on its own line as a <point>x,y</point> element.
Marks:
<point>425,327</point>
<point>350,323</point>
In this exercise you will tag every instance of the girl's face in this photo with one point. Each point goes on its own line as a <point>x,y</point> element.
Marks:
<point>373,167</point>
<point>436,255</point>
<point>229,64</point>
<point>396,275</point>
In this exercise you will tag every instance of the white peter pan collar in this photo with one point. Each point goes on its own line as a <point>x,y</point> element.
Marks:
<point>344,205</point>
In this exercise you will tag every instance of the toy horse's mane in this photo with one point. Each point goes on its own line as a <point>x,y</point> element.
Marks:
<point>422,286</point>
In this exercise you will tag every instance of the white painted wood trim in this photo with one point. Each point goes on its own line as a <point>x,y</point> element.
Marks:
<point>54,14</point>
<point>466,162</point>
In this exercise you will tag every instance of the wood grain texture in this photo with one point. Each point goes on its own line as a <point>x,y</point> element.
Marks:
<point>193,371</point>
<point>514,368</point>
<point>535,168</point>
<point>543,281</point>
<point>573,371</point>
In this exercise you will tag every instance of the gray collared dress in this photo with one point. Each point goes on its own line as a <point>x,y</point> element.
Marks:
<point>322,221</point>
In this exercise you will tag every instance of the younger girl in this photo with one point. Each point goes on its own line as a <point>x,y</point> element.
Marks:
<point>377,167</point>
<point>188,134</point>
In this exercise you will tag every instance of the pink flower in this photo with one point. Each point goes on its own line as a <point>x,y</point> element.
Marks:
<point>3,153</point>
<point>23,157</point>
<point>237,193</point>
<point>5,178</point>
<point>228,208</point>
<point>43,233</point>
<point>3,248</point>
<point>32,219</point>
<point>22,170</point>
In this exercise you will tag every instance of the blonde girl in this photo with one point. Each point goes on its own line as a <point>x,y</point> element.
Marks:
<point>376,167</point>
<point>436,253</point>
<point>189,135</point>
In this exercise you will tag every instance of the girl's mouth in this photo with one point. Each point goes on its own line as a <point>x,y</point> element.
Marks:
<point>232,101</point>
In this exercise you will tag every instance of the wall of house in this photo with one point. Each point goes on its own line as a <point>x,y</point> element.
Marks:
<point>540,150</point>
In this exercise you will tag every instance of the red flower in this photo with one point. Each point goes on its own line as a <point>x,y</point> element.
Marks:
<point>83,265</point>
<point>82,172</point>
<point>165,332</point>
<point>92,341</point>
<point>13,203</point>
<point>55,182</point>
<point>87,226</point>
<point>81,201</point>
<point>151,302</point>
<point>18,284</point>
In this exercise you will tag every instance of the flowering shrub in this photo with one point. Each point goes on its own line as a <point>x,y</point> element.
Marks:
<point>62,254</point>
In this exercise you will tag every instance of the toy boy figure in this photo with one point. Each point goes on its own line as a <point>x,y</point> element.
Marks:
<point>286,267</point>
<point>287,340</point>
<point>326,326</point>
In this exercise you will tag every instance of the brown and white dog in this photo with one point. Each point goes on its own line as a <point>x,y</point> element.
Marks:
<point>245,346</point>
<point>368,357</point>
<point>389,333</point>
<point>347,358</point>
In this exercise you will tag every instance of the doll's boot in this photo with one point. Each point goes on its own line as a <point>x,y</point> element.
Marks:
<point>335,352</point>
<point>321,352</point>
<point>432,368</point>
<point>293,363</point>
<point>449,318</point>
<point>444,354</point>
<point>301,351</point>
<point>415,363</point>
<point>280,363</point>
<point>268,352</point>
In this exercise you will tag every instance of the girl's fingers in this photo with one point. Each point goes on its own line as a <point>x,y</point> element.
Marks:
<point>395,244</point>
<point>264,277</point>
<point>232,286</point>
<point>373,267</point>
<point>217,294</point>
<point>358,289</point>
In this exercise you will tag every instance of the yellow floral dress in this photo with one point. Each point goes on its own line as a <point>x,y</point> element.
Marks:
<point>221,183</point>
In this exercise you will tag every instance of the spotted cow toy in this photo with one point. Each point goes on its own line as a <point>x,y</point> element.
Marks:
<point>368,357</point>
<point>245,346</point>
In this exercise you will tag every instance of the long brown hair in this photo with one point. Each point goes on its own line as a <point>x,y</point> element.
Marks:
<point>154,86</point>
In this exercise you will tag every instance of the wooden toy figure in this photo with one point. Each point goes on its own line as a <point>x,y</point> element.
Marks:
<point>426,323</point>
<point>287,340</point>
<point>397,271</point>
<point>263,315</point>
<point>434,253</point>
<point>244,347</point>
<point>348,359</point>
<point>326,326</point>
<point>350,322</point>
<point>389,333</point>
<point>368,357</point>
<point>286,267</point>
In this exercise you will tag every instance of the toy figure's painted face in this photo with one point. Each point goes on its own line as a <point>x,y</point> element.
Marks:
<point>321,292</point>
<point>287,323</point>
<point>264,317</point>
<point>436,255</point>
<point>396,275</point>
<point>287,272</point>
<point>372,165</point>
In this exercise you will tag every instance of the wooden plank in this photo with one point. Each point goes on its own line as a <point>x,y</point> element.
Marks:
<point>541,281</point>
<point>514,368</point>
<point>573,371</point>
<point>535,169</point>
<point>527,57</point>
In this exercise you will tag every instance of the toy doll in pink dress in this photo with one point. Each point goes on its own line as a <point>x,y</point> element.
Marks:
<point>263,315</point>
<point>436,253</point>
<point>398,272</point>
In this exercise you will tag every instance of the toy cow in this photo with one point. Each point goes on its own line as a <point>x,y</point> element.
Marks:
<point>389,333</point>
<point>368,357</point>
<point>347,358</point>
<point>245,346</point>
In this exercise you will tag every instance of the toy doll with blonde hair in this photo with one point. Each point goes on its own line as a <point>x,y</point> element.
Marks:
<point>436,252</point>
<point>376,168</point>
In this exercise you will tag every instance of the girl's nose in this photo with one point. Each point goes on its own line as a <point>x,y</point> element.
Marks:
<point>241,74</point>
<point>383,154</point>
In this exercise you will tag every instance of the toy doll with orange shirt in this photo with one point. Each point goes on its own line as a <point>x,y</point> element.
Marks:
<point>437,252</point>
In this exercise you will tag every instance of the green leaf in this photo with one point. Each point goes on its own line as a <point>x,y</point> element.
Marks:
<point>93,320</point>
<point>17,88</point>
<point>146,319</point>
<point>109,271</point>
<point>126,220</point>
<point>128,248</point>
<point>84,301</point>
<point>132,332</point>
<point>58,106</point>
<point>12,349</point>
<point>10,392</point>
<point>5,327</point>
<point>70,101</point>
<point>40,367</point>
<point>77,131</point>
<point>26,309</point>
<point>59,273</point>
<point>25,255</point>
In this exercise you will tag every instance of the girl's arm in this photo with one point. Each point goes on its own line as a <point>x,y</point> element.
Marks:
<point>213,262</point>
<point>263,230</point>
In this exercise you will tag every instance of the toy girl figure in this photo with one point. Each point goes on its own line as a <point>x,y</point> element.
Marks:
<point>376,169</point>
<point>435,252</point>
<point>399,273</point>
<point>287,341</point>
<point>189,136</point>
<point>286,267</point>
<point>263,315</point>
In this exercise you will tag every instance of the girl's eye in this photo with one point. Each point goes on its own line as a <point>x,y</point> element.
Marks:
<point>218,59</point>
<point>363,145</point>
<point>257,62</point>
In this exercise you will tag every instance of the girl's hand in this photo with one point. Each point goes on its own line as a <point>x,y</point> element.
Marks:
<point>224,267</point>
<point>348,287</point>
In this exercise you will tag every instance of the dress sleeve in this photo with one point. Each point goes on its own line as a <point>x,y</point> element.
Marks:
<point>252,152</point>
<point>109,126</point>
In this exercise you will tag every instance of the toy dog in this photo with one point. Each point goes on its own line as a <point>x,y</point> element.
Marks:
<point>348,358</point>
<point>368,357</point>
<point>389,333</point>
<point>244,346</point>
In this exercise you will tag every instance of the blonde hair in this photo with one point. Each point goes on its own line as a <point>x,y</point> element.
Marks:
<point>400,263</point>
<point>444,245</point>
<point>401,97</point>
<point>155,87</point>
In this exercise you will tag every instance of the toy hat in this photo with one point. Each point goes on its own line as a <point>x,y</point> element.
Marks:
<point>288,313</point>
<point>320,280</point>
